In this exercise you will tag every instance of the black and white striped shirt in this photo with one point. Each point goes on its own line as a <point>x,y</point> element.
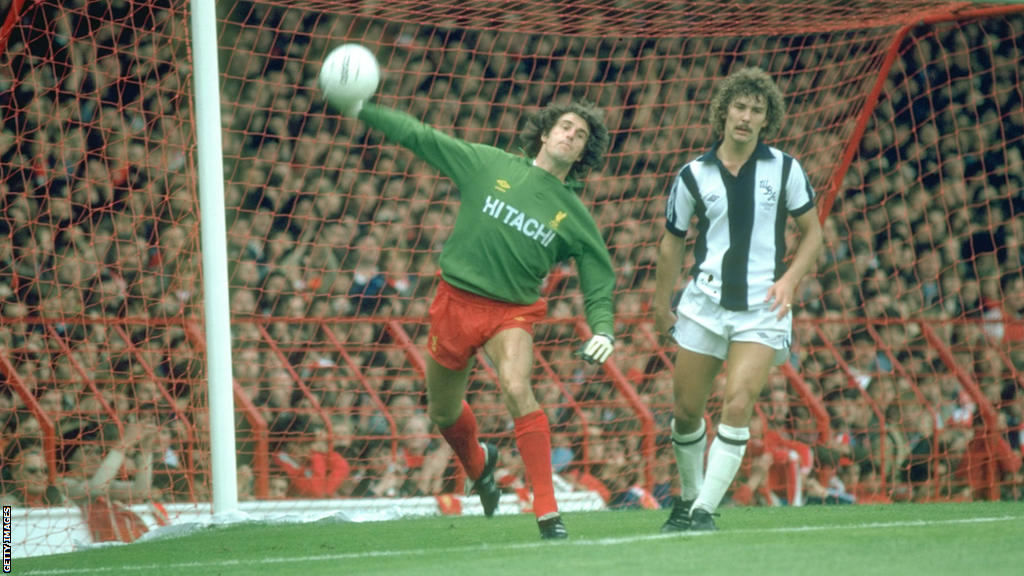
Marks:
<point>741,223</point>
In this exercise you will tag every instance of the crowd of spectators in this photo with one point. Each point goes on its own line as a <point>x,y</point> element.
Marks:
<point>331,231</point>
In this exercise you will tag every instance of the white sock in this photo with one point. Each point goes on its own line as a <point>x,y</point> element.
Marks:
<point>689,449</point>
<point>724,460</point>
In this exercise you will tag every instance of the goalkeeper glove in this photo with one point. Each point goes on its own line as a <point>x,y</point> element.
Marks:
<point>597,349</point>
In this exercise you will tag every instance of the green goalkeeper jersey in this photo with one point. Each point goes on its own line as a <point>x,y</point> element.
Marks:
<point>515,220</point>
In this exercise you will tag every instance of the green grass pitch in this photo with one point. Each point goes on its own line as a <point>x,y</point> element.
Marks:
<point>902,540</point>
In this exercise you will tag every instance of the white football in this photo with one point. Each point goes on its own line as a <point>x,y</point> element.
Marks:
<point>349,73</point>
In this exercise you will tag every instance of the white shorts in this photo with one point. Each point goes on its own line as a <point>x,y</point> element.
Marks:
<point>704,327</point>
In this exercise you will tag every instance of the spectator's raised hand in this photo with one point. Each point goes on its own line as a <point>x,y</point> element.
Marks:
<point>141,432</point>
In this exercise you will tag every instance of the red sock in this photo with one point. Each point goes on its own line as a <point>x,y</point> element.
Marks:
<point>461,436</point>
<point>533,436</point>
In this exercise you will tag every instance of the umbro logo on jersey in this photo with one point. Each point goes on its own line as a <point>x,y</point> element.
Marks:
<point>502,186</point>
<point>713,198</point>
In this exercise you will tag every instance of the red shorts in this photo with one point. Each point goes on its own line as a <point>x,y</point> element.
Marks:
<point>461,322</point>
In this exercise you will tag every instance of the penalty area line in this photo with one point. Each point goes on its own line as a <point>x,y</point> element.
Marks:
<point>519,546</point>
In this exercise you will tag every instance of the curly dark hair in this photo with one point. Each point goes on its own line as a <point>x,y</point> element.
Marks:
<point>543,121</point>
<point>749,82</point>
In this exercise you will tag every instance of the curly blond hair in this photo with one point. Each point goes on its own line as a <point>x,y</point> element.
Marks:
<point>749,82</point>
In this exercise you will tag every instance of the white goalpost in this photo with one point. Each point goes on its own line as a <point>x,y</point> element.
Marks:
<point>215,260</point>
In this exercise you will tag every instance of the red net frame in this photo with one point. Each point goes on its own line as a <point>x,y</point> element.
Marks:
<point>99,205</point>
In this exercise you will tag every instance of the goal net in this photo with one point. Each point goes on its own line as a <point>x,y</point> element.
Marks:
<point>905,377</point>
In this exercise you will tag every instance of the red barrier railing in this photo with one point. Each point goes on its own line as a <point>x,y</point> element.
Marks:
<point>626,398</point>
<point>642,412</point>
<point>46,424</point>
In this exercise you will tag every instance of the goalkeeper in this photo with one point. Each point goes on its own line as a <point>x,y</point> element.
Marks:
<point>518,216</point>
